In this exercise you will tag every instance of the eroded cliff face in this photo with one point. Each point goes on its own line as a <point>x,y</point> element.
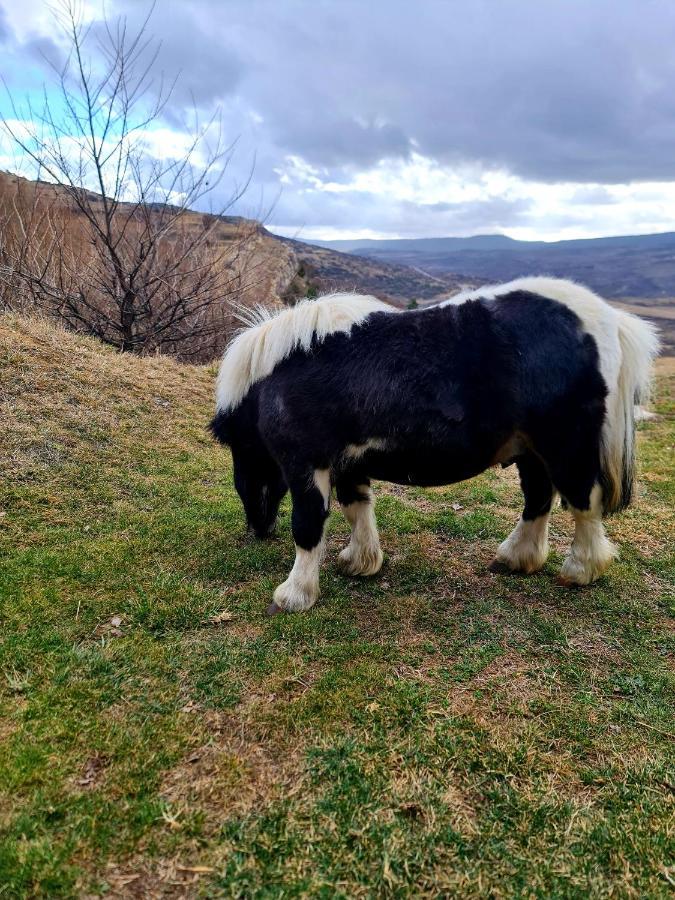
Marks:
<point>40,222</point>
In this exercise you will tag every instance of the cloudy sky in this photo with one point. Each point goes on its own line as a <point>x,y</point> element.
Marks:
<point>391,118</point>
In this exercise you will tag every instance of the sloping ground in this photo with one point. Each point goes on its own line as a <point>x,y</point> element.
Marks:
<point>323,270</point>
<point>263,265</point>
<point>255,268</point>
<point>435,731</point>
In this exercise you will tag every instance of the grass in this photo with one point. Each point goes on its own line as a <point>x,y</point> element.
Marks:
<point>435,731</point>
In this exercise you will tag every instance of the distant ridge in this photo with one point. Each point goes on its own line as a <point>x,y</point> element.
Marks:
<point>627,266</point>
<point>477,242</point>
<point>495,242</point>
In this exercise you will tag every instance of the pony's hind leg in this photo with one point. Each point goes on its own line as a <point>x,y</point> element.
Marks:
<point>310,494</point>
<point>526,548</point>
<point>575,471</point>
<point>591,552</point>
<point>362,556</point>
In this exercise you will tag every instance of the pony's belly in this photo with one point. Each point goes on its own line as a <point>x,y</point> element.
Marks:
<point>426,468</point>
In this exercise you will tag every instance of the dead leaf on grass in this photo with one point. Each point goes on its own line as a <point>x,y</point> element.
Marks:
<point>219,618</point>
<point>93,769</point>
<point>111,628</point>
<point>118,881</point>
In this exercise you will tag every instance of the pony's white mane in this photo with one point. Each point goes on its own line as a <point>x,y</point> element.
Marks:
<point>270,337</point>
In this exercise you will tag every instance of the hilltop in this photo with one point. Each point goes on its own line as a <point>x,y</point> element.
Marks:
<point>256,267</point>
<point>435,730</point>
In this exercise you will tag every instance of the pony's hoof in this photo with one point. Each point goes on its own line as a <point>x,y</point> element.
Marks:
<point>500,568</point>
<point>360,565</point>
<point>273,609</point>
<point>566,582</point>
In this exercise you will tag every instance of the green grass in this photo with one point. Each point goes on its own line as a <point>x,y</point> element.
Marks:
<point>434,731</point>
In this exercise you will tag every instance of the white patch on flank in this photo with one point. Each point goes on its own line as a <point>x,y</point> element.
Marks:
<point>526,548</point>
<point>626,346</point>
<point>322,481</point>
<point>356,451</point>
<point>591,552</point>
<point>598,318</point>
<point>258,349</point>
<point>362,556</point>
<point>301,588</point>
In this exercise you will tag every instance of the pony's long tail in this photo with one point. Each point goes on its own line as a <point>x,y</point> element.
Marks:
<point>639,345</point>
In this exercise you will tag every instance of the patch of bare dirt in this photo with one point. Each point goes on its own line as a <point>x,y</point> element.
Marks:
<point>502,691</point>
<point>140,878</point>
<point>595,646</point>
<point>236,772</point>
<point>413,789</point>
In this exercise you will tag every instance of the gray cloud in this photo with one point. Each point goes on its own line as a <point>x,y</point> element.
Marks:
<point>559,91</point>
<point>360,211</point>
<point>562,90</point>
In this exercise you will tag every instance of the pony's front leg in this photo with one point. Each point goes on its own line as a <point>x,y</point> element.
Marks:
<point>311,498</point>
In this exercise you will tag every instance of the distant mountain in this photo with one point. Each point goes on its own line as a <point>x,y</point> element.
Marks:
<point>638,266</point>
<point>496,242</point>
<point>426,245</point>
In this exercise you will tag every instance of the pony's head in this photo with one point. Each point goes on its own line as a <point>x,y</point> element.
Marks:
<point>257,477</point>
<point>261,488</point>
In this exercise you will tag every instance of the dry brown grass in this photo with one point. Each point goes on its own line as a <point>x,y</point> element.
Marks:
<point>68,401</point>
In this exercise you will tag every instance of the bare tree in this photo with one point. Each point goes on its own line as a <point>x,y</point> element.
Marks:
<point>32,242</point>
<point>135,265</point>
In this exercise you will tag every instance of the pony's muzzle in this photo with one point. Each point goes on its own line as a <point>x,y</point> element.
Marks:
<point>264,531</point>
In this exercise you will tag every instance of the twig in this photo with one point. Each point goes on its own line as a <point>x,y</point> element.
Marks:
<point>668,734</point>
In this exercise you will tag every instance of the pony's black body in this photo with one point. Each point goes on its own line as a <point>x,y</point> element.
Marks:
<point>443,393</point>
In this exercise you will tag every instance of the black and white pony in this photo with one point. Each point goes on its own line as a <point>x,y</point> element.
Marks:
<point>336,391</point>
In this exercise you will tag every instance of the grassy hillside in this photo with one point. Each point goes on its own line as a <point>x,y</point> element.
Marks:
<point>436,731</point>
<point>46,236</point>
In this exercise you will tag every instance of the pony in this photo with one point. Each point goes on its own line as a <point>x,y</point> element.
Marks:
<point>333,392</point>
